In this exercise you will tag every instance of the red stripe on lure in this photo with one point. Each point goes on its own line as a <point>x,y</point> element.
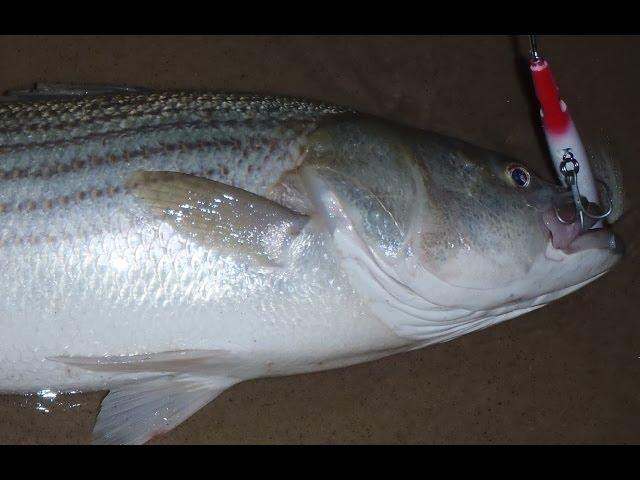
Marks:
<point>555,116</point>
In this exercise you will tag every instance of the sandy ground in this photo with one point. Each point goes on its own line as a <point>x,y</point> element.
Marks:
<point>568,373</point>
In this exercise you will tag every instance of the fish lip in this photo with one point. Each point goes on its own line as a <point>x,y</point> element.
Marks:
<point>598,239</point>
<point>570,239</point>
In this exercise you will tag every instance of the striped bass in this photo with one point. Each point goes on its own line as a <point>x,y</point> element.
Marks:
<point>166,246</point>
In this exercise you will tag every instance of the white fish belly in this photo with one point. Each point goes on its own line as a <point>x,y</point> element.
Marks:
<point>102,279</point>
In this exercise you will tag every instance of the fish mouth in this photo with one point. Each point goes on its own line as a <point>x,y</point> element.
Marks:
<point>570,238</point>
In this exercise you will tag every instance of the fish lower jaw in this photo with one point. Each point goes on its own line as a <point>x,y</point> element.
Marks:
<point>569,238</point>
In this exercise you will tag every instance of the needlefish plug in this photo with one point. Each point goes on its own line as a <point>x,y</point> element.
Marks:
<point>166,246</point>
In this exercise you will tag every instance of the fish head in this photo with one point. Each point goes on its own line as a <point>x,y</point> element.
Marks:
<point>423,221</point>
<point>490,225</point>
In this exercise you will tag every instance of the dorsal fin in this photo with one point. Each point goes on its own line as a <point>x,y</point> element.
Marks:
<point>44,91</point>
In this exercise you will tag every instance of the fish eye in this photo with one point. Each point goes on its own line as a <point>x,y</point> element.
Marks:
<point>519,175</point>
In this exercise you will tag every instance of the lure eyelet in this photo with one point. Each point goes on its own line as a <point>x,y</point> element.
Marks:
<point>519,176</point>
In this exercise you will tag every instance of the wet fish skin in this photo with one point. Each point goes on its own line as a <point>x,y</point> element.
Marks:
<point>103,290</point>
<point>64,169</point>
<point>66,212</point>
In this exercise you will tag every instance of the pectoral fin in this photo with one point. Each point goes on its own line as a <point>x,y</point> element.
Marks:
<point>218,216</point>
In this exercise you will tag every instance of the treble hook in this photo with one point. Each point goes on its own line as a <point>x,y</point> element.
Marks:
<point>570,176</point>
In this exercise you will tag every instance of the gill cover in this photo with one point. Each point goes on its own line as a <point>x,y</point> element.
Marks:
<point>369,191</point>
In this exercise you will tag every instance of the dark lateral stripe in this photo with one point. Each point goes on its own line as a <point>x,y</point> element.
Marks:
<point>64,201</point>
<point>78,140</point>
<point>93,194</point>
<point>61,126</point>
<point>33,239</point>
<point>46,125</point>
<point>141,153</point>
<point>104,107</point>
<point>34,106</point>
<point>133,103</point>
